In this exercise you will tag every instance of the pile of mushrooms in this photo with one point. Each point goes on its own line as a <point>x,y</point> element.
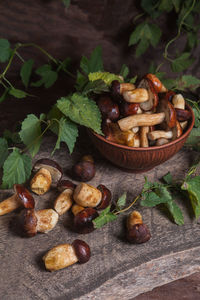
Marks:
<point>142,115</point>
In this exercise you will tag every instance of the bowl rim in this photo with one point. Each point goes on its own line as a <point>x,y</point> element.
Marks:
<point>182,137</point>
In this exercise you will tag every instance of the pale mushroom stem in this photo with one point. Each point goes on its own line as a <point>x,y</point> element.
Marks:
<point>9,204</point>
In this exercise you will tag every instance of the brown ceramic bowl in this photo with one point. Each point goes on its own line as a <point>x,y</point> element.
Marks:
<point>139,159</point>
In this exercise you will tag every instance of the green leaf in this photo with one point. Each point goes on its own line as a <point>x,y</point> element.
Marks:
<point>4,50</point>
<point>81,110</point>
<point>105,217</point>
<point>133,80</point>
<point>175,212</point>
<point>159,194</point>
<point>81,81</point>
<point>48,77</point>
<point>31,134</point>
<point>168,178</point>
<point>151,199</point>
<point>66,3</point>
<point>104,76</point>
<point>94,63</point>
<point>121,202</point>
<point>141,48</point>
<point>182,62</point>
<point>177,5</point>
<point>149,7</point>
<point>189,81</point>
<point>16,169</point>
<point>3,151</point>
<point>26,71</point>
<point>136,34</point>
<point>97,87</point>
<point>17,93</point>
<point>192,187</point>
<point>11,137</point>
<point>3,96</point>
<point>66,131</point>
<point>165,5</point>
<point>124,71</point>
<point>154,38</point>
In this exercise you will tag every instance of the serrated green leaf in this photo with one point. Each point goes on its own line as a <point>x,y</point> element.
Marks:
<point>30,134</point>
<point>165,5</point>
<point>169,83</point>
<point>81,81</point>
<point>54,113</point>
<point>192,187</point>
<point>26,71</point>
<point>81,110</point>
<point>3,151</point>
<point>175,212</point>
<point>141,47</point>
<point>182,62</point>
<point>136,34</point>
<point>11,137</point>
<point>189,81</point>
<point>16,169</point>
<point>168,178</point>
<point>97,87</point>
<point>94,63</point>
<point>105,217</point>
<point>104,76</point>
<point>121,201</point>
<point>154,38</point>
<point>66,131</point>
<point>48,77</point>
<point>17,93</point>
<point>4,50</point>
<point>151,199</point>
<point>124,71</point>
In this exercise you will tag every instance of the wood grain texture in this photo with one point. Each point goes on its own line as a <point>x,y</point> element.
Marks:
<point>113,260</point>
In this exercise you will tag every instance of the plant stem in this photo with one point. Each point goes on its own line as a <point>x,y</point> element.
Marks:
<point>128,207</point>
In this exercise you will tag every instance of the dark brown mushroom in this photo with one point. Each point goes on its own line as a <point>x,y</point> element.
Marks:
<point>83,220</point>
<point>170,114</point>
<point>106,196</point>
<point>85,169</point>
<point>158,86</point>
<point>183,114</point>
<point>109,109</point>
<point>128,109</point>
<point>82,251</point>
<point>152,101</point>
<point>21,198</point>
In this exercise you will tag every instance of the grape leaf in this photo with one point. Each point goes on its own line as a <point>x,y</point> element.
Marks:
<point>149,7</point>
<point>81,110</point>
<point>4,50</point>
<point>192,187</point>
<point>188,81</point>
<point>17,93</point>
<point>182,62</point>
<point>104,76</point>
<point>121,201</point>
<point>94,63</point>
<point>81,80</point>
<point>97,87</point>
<point>124,71</point>
<point>66,131</point>
<point>155,34</point>
<point>141,47</point>
<point>16,169</point>
<point>105,217</point>
<point>48,77</point>
<point>165,5</point>
<point>158,196</point>
<point>3,151</point>
<point>175,212</point>
<point>30,133</point>
<point>26,71</point>
<point>168,178</point>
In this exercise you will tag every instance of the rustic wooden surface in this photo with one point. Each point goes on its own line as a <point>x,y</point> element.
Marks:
<point>75,32</point>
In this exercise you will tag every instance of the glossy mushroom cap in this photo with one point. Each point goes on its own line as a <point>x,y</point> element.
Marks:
<point>28,222</point>
<point>138,234</point>
<point>85,169</point>
<point>106,196</point>
<point>53,167</point>
<point>24,196</point>
<point>82,251</point>
<point>83,220</point>
<point>65,185</point>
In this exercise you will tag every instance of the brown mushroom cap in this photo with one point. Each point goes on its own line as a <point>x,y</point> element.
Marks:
<point>29,222</point>
<point>65,184</point>
<point>82,250</point>
<point>53,167</point>
<point>83,220</point>
<point>159,87</point>
<point>24,196</point>
<point>170,114</point>
<point>153,96</point>
<point>183,114</point>
<point>106,196</point>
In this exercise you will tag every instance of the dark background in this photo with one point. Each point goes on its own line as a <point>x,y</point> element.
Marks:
<point>74,32</point>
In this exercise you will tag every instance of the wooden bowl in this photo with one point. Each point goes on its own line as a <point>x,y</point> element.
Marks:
<point>140,159</point>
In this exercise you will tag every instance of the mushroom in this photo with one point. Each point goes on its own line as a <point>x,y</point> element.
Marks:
<point>152,95</point>
<point>88,196</point>
<point>47,172</point>
<point>65,255</point>
<point>141,120</point>
<point>135,129</point>
<point>183,114</point>
<point>42,220</point>
<point>184,125</point>
<point>83,220</point>
<point>178,101</point>
<point>114,134</point>
<point>170,114</point>
<point>143,136</point>
<point>65,200</point>
<point>138,95</point>
<point>137,231</point>
<point>119,88</point>
<point>109,109</point>
<point>76,209</point>
<point>159,87</point>
<point>128,109</point>
<point>177,131</point>
<point>105,198</point>
<point>136,140</point>
<point>161,141</point>
<point>84,170</point>
<point>21,198</point>
<point>157,134</point>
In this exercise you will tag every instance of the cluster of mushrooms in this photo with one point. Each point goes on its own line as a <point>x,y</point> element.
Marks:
<point>83,200</point>
<point>142,115</point>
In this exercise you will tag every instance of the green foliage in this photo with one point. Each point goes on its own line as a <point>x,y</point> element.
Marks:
<point>94,63</point>
<point>182,62</point>
<point>17,169</point>
<point>121,202</point>
<point>17,93</point>
<point>48,77</point>
<point>124,71</point>
<point>175,212</point>
<point>97,87</point>
<point>26,71</point>
<point>104,76</point>
<point>66,3</point>
<point>3,150</point>
<point>81,110</point>
<point>104,217</point>
<point>191,185</point>
<point>4,50</point>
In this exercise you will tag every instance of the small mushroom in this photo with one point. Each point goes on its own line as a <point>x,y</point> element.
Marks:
<point>65,200</point>
<point>105,198</point>
<point>84,170</point>
<point>43,220</point>
<point>114,134</point>
<point>170,114</point>
<point>83,220</point>
<point>109,109</point>
<point>161,141</point>
<point>178,101</point>
<point>183,114</point>
<point>119,88</point>
<point>64,255</point>
<point>157,134</point>
<point>184,125</point>
<point>138,95</point>
<point>141,120</point>
<point>76,209</point>
<point>159,87</point>
<point>21,198</point>
<point>177,131</point>
<point>47,172</point>
<point>152,95</point>
<point>144,136</point>
<point>137,231</point>
<point>136,141</point>
<point>128,109</point>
